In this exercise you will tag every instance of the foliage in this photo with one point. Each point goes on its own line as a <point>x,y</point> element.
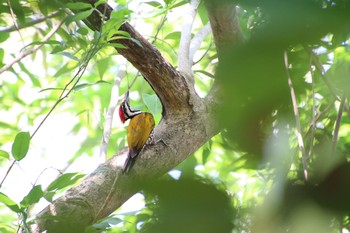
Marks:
<point>280,163</point>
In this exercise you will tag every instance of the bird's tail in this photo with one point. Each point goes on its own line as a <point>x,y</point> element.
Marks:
<point>130,160</point>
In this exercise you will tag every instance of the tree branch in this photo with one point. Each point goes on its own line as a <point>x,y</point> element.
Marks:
<point>198,39</point>
<point>185,64</point>
<point>188,122</point>
<point>38,20</point>
<point>224,23</point>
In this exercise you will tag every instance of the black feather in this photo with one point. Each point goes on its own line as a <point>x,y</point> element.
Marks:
<point>130,160</point>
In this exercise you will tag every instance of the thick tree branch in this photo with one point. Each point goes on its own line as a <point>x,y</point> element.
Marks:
<point>224,23</point>
<point>188,122</point>
<point>168,84</point>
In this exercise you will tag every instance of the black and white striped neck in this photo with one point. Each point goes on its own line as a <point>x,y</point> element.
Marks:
<point>128,111</point>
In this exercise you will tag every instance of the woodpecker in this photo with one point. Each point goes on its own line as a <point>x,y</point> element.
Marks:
<point>140,127</point>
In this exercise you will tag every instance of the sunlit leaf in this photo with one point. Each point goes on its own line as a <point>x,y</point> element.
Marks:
<point>9,203</point>
<point>78,6</point>
<point>35,194</point>
<point>173,36</point>
<point>50,42</point>
<point>107,223</point>
<point>21,145</point>
<point>69,66</point>
<point>154,4</point>
<point>102,66</point>
<point>83,31</point>
<point>64,181</point>
<point>4,154</point>
<point>81,86</point>
<point>79,16</point>
<point>99,2</point>
<point>69,55</point>
<point>205,73</point>
<point>152,102</point>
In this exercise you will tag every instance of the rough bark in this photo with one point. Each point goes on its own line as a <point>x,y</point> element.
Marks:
<point>188,122</point>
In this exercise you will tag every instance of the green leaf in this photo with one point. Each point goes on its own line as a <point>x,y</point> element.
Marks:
<point>102,66</point>
<point>4,36</point>
<point>177,4</point>
<point>79,16</point>
<point>99,2</point>
<point>203,15</point>
<point>34,196</point>
<point>69,55</point>
<point>58,48</point>
<point>83,31</point>
<point>115,45</point>
<point>154,4</point>
<point>51,89</point>
<point>173,36</point>
<point>136,42</point>
<point>205,73</point>
<point>152,102</point>
<point>9,203</point>
<point>107,223</point>
<point>49,196</point>
<point>21,145</point>
<point>64,181</point>
<point>50,42</point>
<point>4,154</point>
<point>81,86</point>
<point>69,66</point>
<point>78,6</point>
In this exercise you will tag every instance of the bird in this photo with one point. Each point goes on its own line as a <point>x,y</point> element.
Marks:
<point>139,130</point>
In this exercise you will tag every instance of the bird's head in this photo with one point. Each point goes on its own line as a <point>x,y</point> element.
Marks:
<point>125,111</point>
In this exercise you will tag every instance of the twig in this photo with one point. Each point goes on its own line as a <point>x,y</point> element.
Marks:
<point>159,28</point>
<point>14,18</point>
<point>30,23</point>
<point>7,172</point>
<point>31,51</point>
<point>185,64</point>
<point>297,118</point>
<point>337,124</point>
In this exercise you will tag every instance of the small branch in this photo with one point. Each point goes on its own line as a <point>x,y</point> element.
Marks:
<point>110,112</point>
<point>14,18</point>
<point>185,64</point>
<point>337,124</point>
<point>30,23</point>
<point>297,118</point>
<point>198,39</point>
<point>7,173</point>
<point>161,24</point>
<point>31,51</point>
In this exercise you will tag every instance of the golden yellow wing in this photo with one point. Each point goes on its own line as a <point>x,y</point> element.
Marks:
<point>139,129</point>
